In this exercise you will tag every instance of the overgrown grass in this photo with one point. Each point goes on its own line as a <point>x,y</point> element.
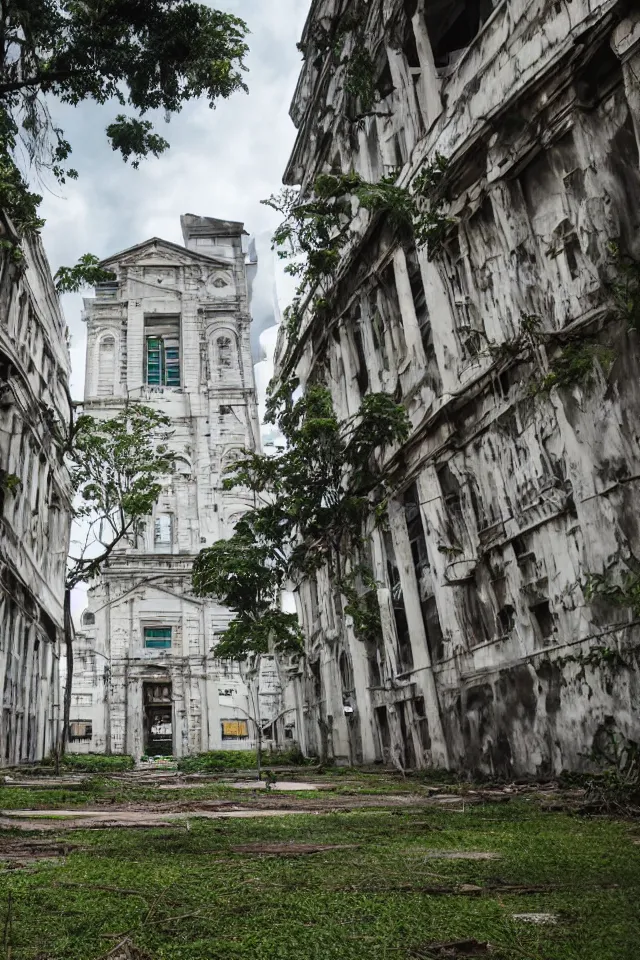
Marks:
<point>220,760</point>
<point>94,763</point>
<point>187,895</point>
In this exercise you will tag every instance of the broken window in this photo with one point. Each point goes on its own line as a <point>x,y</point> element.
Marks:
<point>157,638</point>
<point>80,730</point>
<point>474,614</point>
<point>163,528</point>
<point>424,320</point>
<point>235,729</point>
<point>405,733</point>
<point>405,653</point>
<point>362,374</point>
<point>162,358</point>
<point>224,351</point>
<point>106,366</point>
<point>422,724</point>
<point>418,542</point>
<point>382,721</point>
<point>452,27</point>
<point>543,619</point>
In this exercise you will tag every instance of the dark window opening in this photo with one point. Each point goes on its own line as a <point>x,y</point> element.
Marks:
<point>316,677</point>
<point>225,411</point>
<point>313,594</point>
<point>418,542</point>
<point>382,721</point>
<point>475,616</point>
<point>405,733</point>
<point>88,619</point>
<point>362,375</point>
<point>543,618</point>
<point>452,31</point>
<point>384,84</point>
<point>506,619</point>
<point>162,354</point>
<point>422,724</point>
<point>405,653</point>
<point>346,675</point>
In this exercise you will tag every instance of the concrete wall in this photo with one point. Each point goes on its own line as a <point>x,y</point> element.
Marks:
<point>488,654</point>
<point>34,500</point>
<point>213,417</point>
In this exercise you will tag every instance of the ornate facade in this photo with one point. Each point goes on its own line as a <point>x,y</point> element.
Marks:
<point>171,330</point>
<point>35,506</point>
<point>521,471</point>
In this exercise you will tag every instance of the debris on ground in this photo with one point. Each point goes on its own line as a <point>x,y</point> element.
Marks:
<point>539,918</point>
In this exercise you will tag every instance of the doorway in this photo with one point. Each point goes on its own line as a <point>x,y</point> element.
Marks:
<point>158,719</point>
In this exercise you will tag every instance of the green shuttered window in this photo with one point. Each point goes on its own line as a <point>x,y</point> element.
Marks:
<point>157,638</point>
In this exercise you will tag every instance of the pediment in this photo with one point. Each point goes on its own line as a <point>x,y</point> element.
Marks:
<point>160,253</point>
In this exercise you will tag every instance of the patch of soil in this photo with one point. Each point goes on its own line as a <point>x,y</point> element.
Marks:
<point>290,849</point>
<point>460,949</point>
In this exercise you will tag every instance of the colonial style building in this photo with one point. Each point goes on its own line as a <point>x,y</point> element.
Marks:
<point>172,330</point>
<point>35,505</point>
<point>514,348</point>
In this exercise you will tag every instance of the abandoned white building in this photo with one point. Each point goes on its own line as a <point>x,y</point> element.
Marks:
<point>509,349</point>
<point>35,500</point>
<point>172,329</point>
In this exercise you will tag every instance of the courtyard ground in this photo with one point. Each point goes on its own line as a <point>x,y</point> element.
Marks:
<point>365,865</point>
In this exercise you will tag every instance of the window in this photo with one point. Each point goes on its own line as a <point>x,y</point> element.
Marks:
<point>80,730</point>
<point>418,542</point>
<point>162,359</point>
<point>157,638</point>
<point>82,699</point>
<point>106,366</point>
<point>163,529</point>
<point>88,619</point>
<point>405,653</point>
<point>235,730</point>
<point>224,351</point>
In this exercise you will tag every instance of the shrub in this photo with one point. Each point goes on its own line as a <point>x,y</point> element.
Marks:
<point>217,761</point>
<point>95,762</point>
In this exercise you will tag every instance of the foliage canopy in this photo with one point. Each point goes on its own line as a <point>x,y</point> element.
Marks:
<point>314,501</point>
<point>140,54</point>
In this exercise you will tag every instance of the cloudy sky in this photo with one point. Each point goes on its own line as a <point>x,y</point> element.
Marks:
<point>221,163</point>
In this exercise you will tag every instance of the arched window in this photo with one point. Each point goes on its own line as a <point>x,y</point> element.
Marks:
<point>88,619</point>
<point>106,366</point>
<point>224,351</point>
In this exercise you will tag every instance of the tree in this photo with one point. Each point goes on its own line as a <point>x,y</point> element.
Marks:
<point>116,468</point>
<point>316,499</point>
<point>140,54</point>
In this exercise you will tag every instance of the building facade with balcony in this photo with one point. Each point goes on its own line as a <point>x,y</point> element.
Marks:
<point>513,345</point>
<point>171,330</point>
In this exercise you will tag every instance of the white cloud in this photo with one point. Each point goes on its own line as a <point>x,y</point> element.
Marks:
<point>222,163</point>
